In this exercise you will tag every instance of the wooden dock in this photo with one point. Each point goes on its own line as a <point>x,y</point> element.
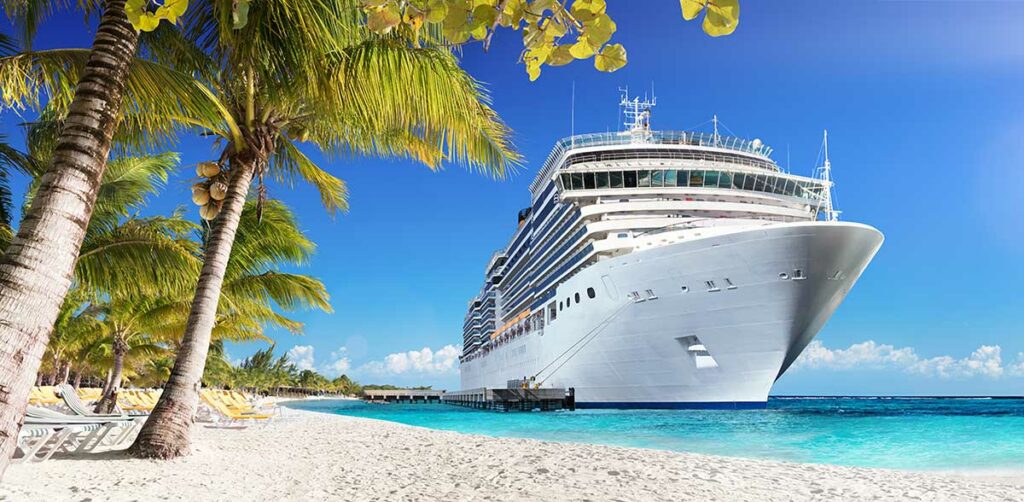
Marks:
<point>403,396</point>
<point>513,399</point>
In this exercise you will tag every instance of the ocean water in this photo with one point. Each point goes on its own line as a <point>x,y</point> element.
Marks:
<point>902,433</point>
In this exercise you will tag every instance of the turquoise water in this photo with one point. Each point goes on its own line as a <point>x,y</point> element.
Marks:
<point>902,433</point>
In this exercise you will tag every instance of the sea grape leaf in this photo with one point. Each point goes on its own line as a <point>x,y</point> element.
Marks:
<point>611,58</point>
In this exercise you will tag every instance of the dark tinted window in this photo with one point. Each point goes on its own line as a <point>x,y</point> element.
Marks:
<point>670,178</point>
<point>577,297</point>
<point>588,181</point>
<point>629,177</point>
<point>577,181</point>
<point>696,178</point>
<point>591,293</point>
<point>616,178</point>
<point>602,180</point>
<point>682,177</point>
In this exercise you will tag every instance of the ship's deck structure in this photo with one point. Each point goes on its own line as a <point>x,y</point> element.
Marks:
<point>599,196</point>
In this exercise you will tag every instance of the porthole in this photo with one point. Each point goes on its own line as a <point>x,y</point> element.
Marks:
<point>685,289</point>
<point>577,296</point>
<point>591,293</point>
<point>783,275</point>
<point>559,305</point>
<point>568,302</point>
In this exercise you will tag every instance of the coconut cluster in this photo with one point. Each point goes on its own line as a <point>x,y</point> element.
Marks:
<point>209,194</point>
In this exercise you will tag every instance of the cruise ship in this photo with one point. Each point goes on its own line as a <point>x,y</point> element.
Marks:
<point>662,269</point>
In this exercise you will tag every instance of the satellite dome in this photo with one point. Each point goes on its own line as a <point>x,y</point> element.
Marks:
<point>756,143</point>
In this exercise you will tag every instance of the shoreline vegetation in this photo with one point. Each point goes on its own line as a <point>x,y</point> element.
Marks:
<point>304,455</point>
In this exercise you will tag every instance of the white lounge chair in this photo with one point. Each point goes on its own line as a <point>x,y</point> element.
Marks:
<point>107,424</point>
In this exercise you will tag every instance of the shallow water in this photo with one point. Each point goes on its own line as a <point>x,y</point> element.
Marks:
<point>903,433</point>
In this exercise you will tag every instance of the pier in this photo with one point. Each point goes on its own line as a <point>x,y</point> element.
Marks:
<point>513,399</point>
<point>403,396</point>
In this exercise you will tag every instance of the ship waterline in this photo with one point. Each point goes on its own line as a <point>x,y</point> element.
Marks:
<point>663,269</point>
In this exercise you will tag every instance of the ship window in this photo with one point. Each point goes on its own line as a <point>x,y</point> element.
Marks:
<point>552,312</point>
<point>577,181</point>
<point>577,297</point>
<point>737,180</point>
<point>566,182</point>
<point>629,177</point>
<point>780,186</point>
<point>591,293</point>
<point>724,180</point>
<point>559,305</point>
<point>602,180</point>
<point>588,181</point>
<point>696,178</point>
<point>682,177</point>
<point>758,185</point>
<point>748,181</point>
<point>616,178</point>
<point>790,187</point>
<point>670,178</point>
<point>657,178</point>
<point>643,178</point>
<point>685,289</point>
<point>568,302</point>
<point>711,179</point>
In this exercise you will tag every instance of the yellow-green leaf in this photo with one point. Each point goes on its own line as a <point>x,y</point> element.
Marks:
<point>611,58</point>
<point>581,49</point>
<point>437,10</point>
<point>533,70</point>
<point>560,56</point>
<point>599,30</point>
<point>692,8</point>
<point>485,15</point>
<point>722,17</point>
<point>382,19</point>
<point>240,14</point>
<point>585,10</point>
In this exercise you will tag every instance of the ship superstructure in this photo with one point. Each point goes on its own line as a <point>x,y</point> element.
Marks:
<point>662,268</point>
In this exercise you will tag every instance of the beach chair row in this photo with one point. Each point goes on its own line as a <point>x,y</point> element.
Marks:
<point>46,431</point>
<point>234,407</point>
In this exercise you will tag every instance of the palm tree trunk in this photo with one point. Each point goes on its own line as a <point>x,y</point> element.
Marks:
<point>78,379</point>
<point>166,434</point>
<point>65,371</point>
<point>109,399</point>
<point>36,269</point>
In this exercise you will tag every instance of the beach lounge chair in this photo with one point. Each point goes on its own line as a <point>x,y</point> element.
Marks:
<point>227,413</point>
<point>46,432</point>
<point>74,402</point>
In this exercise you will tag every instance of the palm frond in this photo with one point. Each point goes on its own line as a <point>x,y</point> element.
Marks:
<point>290,164</point>
<point>159,102</point>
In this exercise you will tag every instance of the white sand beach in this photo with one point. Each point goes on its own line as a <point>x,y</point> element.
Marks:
<point>312,456</point>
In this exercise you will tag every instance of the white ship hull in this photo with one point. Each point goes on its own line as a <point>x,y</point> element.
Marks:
<point>777,286</point>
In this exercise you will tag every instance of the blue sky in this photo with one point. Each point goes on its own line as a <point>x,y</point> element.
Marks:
<point>925,113</point>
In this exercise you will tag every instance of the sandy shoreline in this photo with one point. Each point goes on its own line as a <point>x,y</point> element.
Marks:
<point>312,456</point>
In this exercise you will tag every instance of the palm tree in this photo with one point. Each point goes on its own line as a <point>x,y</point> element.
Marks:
<point>37,267</point>
<point>328,81</point>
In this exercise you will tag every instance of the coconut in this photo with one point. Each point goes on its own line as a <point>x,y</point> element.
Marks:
<point>207,169</point>
<point>209,211</point>
<point>200,195</point>
<point>218,190</point>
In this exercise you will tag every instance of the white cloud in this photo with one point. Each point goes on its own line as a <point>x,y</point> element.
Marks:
<point>424,361</point>
<point>986,361</point>
<point>301,356</point>
<point>340,363</point>
<point>868,353</point>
